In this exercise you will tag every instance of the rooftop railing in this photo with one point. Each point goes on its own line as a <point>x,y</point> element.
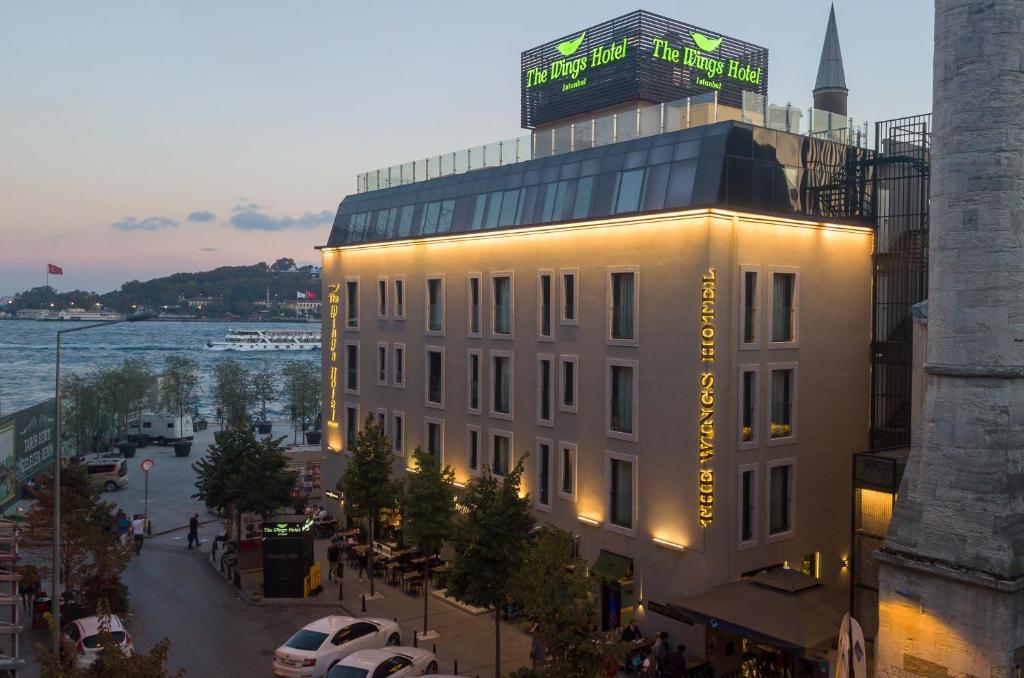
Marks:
<point>642,121</point>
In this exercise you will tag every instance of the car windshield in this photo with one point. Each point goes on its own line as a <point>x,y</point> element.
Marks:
<point>348,672</point>
<point>92,642</point>
<point>306,640</point>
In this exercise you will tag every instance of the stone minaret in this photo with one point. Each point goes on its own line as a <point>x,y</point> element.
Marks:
<point>830,91</point>
<point>951,573</point>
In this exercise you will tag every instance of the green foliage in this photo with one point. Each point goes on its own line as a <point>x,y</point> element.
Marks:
<point>82,411</point>
<point>99,405</point>
<point>233,392</point>
<point>245,473</point>
<point>563,603</point>
<point>302,390</point>
<point>179,385</point>
<point>263,389</point>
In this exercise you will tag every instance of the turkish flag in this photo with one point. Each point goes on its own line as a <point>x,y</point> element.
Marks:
<point>54,270</point>
<point>310,295</point>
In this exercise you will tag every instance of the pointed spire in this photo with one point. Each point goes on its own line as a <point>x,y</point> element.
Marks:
<point>830,70</point>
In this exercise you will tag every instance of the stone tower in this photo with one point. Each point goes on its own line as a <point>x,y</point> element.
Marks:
<point>951,573</point>
<point>830,91</point>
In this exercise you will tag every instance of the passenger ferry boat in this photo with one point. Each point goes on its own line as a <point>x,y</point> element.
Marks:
<point>267,340</point>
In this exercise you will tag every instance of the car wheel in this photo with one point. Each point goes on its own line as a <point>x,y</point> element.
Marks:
<point>110,486</point>
<point>431,668</point>
<point>394,639</point>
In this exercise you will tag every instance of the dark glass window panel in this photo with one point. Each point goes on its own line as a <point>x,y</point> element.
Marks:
<point>635,159</point>
<point>660,154</point>
<point>612,162</point>
<point>621,498</point>
<point>549,173</point>
<point>509,205</point>
<point>463,212</point>
<point>417,217</point>
<point>569,384</point>
<point>430,217</point>
<point>655,186</point>
<point>740,141</point>
<point>765,141</point>
<point>435,193</point>
<point>686,150</point>
<point>558,206</point>
<point>493,209</point>
<point>768,192</point>
<point>630,187</point>
<point>531,176</point>
<point>680,183</point>
<point>581,204</point>
<point>544,481</point>
<point>604,194</point>
<point>749,406</point>
<point>405,221</point>
<point>444,220</point>
<point>747,512</point>
<point>527,206</point>
<point>435,378</point>
<point>570,170</point>
<point>779,512</point>
<point>545,390</point>
<point>477,222</point>
<point>787,149</point>
<point>589,167</point>
<point>514,180</point>
<point>738,177</point>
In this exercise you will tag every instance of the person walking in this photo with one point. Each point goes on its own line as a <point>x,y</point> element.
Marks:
<point>332,561</point>
<point>364,560</point>
<point>138,531</point>
<point>122,526</point>
<point>193,531</point>
<point>538,651</point>
<point>660,649</point>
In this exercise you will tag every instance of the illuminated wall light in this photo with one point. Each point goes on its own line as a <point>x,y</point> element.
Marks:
<point>459,485</point>
<point>668,544</point>
<point>594,522</point>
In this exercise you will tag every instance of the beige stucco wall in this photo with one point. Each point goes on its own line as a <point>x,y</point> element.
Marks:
<point>671,253</point>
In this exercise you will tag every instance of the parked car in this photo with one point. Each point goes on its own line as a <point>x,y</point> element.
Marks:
<point>85,634</point>
<point>110,473</point>
<point>162,427</point>
<point>319,645</point>
<point>393,662</point>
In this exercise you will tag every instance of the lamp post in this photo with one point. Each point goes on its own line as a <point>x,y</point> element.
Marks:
<point>55,575</point>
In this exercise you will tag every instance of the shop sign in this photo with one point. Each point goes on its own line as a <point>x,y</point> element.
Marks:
<point>287,529</point>
<point>709,70</point>
<point>26,446</point>
<point>570,67</point>
<point>333,300</point>
<point>706,399</point>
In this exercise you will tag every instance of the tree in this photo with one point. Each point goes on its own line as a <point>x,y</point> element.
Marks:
<point>490,539</point>
<point>92,561</point>
<point>243,474</point>
<point>367,481</point>
<point>563,604</point>
<point>232,392</point>
<point>179,386</point>
<point>302,391</point>
<point>428,512</point>
<point>82,411</point>
<point>283,265</point>
<point>263,389</point>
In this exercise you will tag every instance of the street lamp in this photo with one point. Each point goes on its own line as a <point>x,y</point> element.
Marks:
<point>56,596</point>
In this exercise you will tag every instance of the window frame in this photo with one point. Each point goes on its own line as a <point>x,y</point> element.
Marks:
<point>427,402</point>
<point>758,296</point>
<point>575,360</point>
<point>470,353</point>
<point>398,424</point>
<point>426,305</point>
<point>791,532</point>
<point>395,371</point>
<point>755,438</point>
<point>427,421</point>
<point>382,419</point>
<point>470,430</point>
<point>537,504</point>
<point>633,460</point>
<point>552,385</point>
<point>493,433</point>
<point>359,307</point>
<point>795,318</point>
<point>346,389</point>
<point>511,385</point>
<point>575,320</point>
<point>345,434</point>
<point>382,299</point>
<point>742,544</point>
<point>553,302</point>
<point>635,365</point>
<point>562,446</point>
<point>511,335</point>
<point>610,309</point>
<point>398,309</point>
<point>478,277</point>
<point>793,437</point>
<point>382,368</point>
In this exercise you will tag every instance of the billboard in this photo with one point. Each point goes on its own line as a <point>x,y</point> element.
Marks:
<point>638,56</point>
<point>26,447</point>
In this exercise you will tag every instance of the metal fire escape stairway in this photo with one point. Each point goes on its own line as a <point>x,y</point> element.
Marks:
<point>10,601</point>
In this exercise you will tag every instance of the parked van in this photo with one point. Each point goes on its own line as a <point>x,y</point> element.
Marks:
<point>163,427</point>
<point>110,473</point>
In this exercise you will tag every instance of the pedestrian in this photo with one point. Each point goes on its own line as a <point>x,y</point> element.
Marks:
<point>538,651</point>
<point>660,649</point>
<point>138,531</point>
<point>332,561</point>
<point>648,665</point>
<point>632,632</point>
<point>364,561</point>
<point>122,526</point>
<point>193,531</point>
<point>675,663</point>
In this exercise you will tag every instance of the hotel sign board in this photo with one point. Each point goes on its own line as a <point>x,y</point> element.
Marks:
<point>26,447</point>
<point>639,56</point>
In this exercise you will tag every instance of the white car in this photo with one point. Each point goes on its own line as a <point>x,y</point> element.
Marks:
<point>319,645</point>
<point>392,662</point>
<point>85,634</point>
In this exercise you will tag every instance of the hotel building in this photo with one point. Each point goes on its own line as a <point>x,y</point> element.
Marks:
<point>669,325</point>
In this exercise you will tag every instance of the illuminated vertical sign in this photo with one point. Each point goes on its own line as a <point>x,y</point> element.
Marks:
<point>706,420</point>
<point>333,300</point>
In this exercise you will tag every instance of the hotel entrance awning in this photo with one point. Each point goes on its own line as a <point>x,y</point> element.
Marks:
<point>783,608</point>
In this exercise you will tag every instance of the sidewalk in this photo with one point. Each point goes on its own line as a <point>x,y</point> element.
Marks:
<point>464,637</point>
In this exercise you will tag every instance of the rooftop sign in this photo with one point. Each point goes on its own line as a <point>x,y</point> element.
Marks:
<point>638,56</point>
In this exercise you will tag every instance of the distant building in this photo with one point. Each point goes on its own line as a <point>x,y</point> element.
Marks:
<point>307,307</point>
<point>200,303</point>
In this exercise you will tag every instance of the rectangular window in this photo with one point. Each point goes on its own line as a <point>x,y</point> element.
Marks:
<point>545,307</point>
<point>748,503</point>
<point>568,392</point>
<point>351,427</point>
<point>473,381</point>
<point>567,461</point>
<point>382,298</point>
<point>435,305</point>
<point>501,452</point>
<point>509,203</point>
<point>501,380</point>
<point>382,420</point>
<point>544,474</point>
<point>473,448</point>
<point>352,302</point>
<point>783,307</point>
<point>630,189</point>
<point>493,209</point>
<point>622,306</point>
<point>435,439</point>
<point>544,390</point>
<point>750,292</point>
<point>473,295</point>
<point>477,222</point>
<point>435,376</point>
<point>352,366</point>
<point>570,298</point>
<point>405,221</point>
<point>399,367</point>
<point>399,298</point>
<point>622,408</point>
<point>620,491</point>
<point>748,405</point>
<point>502,317</point>
<point>382,364</point>
<point>780,509</point>
<point>811,564</point>
<point>398,432</point>
<point>782,403</point>
<point>581,204</point>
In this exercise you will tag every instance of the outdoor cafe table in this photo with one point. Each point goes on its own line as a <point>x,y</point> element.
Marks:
<point>349,533</point>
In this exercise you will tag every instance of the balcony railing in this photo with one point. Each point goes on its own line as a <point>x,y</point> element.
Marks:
<point>643,121</point>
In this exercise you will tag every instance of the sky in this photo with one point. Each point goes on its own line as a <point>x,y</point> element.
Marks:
<point>141,138</point>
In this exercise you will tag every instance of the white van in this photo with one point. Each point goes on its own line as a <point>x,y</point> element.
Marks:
<point>109,473</point>
<point>163,427</point>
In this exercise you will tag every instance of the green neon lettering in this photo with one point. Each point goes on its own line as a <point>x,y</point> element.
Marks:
<point>705,43</point>
<point>569,47</point>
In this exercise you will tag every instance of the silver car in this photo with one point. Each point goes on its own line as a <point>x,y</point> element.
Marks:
<point>319,645</point>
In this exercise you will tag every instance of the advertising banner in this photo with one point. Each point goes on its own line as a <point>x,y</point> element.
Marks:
<point>26,447</point>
